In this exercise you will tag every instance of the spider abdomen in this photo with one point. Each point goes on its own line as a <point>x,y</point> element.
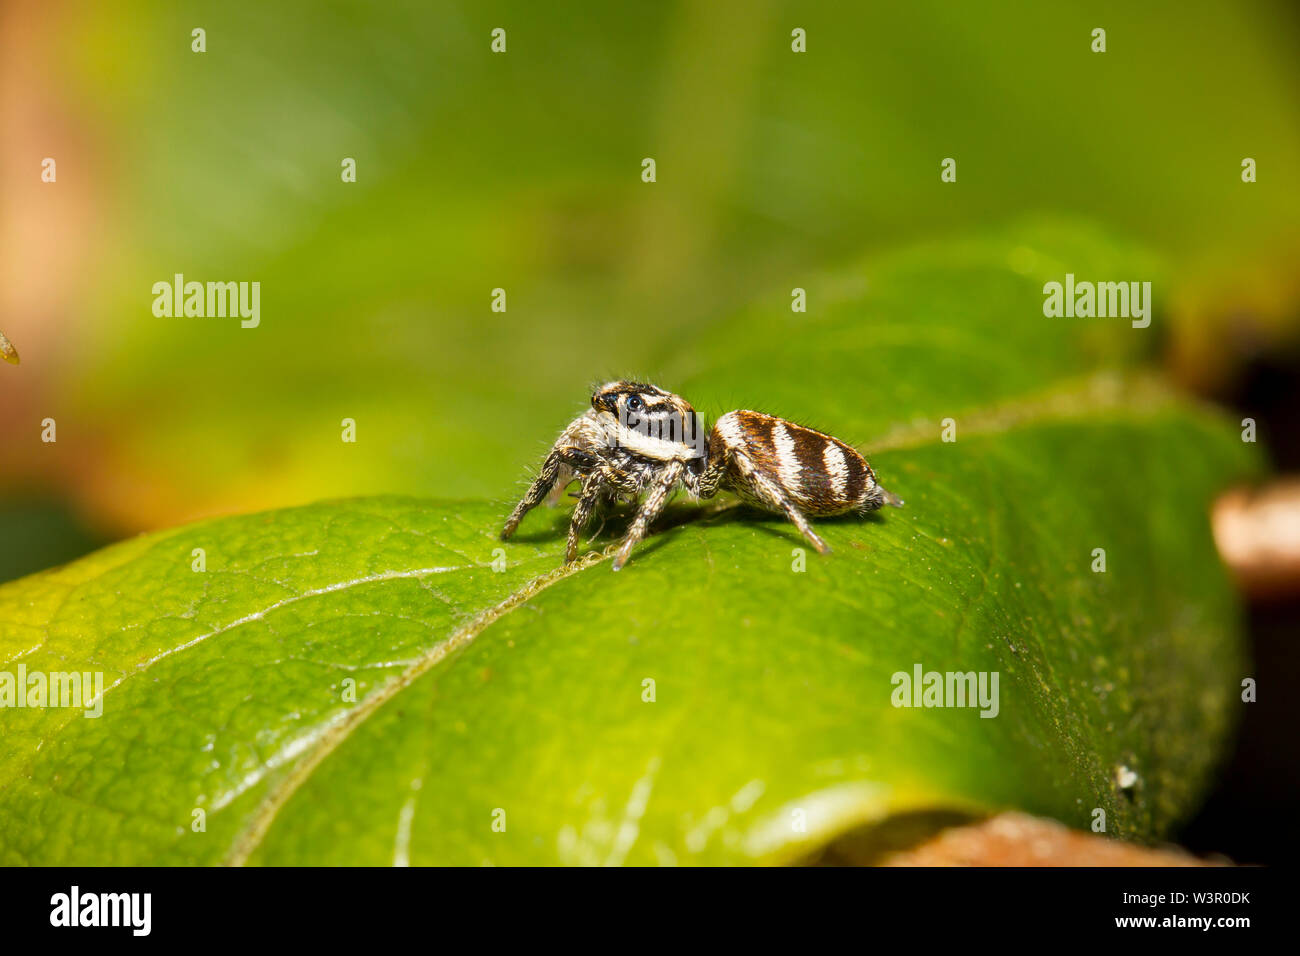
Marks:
<point>820,473</point>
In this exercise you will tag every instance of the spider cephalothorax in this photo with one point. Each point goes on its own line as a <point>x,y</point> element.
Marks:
<point>639,441</point>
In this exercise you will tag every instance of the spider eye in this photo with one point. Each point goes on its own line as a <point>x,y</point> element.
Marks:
<point>634,403</point>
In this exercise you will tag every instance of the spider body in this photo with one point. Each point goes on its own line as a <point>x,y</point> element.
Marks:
<point>640,442</point>
<point>820,474</point>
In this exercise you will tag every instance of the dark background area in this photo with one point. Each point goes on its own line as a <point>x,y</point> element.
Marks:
<point>1250,817</point>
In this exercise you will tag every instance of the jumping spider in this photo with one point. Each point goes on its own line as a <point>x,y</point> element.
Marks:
<point>637,439</point>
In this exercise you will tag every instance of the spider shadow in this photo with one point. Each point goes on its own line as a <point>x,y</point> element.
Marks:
<point>779,526</point>
<point>679,515</point>
<point>610,527</point>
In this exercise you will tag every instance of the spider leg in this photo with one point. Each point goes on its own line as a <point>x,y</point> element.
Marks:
<point>607,500</point>
<point>592,489</point>
<point>758,485</point>
<point>715,472</point>
<point>655,500</point>
<point>561,462</point>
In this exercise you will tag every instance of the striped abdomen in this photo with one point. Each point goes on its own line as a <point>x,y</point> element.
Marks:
<point>820,473</point>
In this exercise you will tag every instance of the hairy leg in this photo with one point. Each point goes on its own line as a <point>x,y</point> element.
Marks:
<point>763,488</point>
<point>558,459</point>
<point>656,498</point>
<point>593,487</point>
<point>715,474</point>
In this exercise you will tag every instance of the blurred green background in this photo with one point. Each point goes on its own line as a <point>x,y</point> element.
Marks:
<point>522,171</point>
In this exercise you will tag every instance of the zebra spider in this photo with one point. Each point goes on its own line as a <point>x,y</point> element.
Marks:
<point>639,440</point>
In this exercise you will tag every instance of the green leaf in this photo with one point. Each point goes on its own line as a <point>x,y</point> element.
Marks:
<point>519,694</point>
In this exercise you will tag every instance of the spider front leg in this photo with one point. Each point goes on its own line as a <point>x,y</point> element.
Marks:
<point>759,486</point>
<point>593,487</point>
<point>559,463</point>
<point>656,498</point>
